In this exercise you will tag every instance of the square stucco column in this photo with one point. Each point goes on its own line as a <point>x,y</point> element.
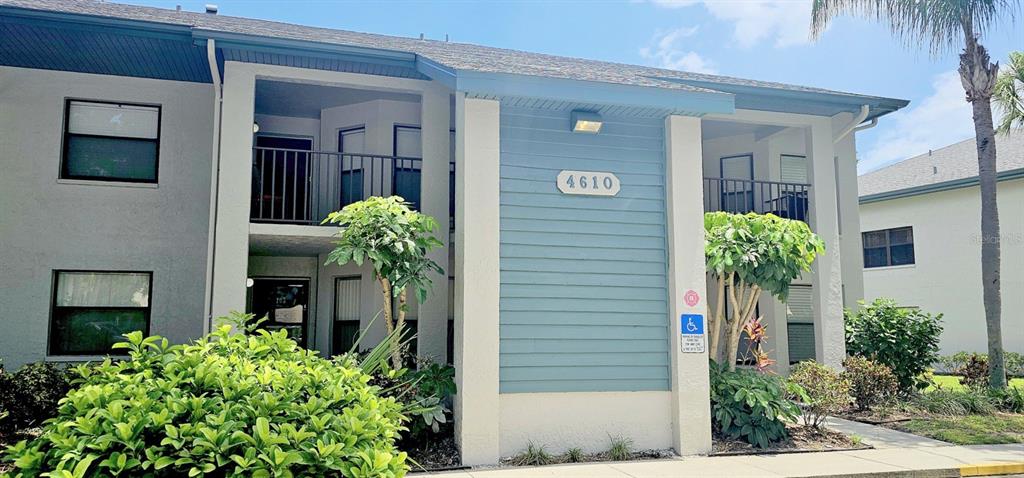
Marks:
<point>476,278</point>
<point>849,214</point>
<point>434,129</point>
<point>231,245</point>
<point>691,414</point>
<point>827,285</point>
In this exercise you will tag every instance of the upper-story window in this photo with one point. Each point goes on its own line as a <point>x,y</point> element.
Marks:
<point>111,141</point>
<point>889,247</point>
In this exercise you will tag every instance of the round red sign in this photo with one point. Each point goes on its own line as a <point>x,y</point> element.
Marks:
<point>691,298</point>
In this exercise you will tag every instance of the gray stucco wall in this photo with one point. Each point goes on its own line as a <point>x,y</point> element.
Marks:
<point>48,224</point>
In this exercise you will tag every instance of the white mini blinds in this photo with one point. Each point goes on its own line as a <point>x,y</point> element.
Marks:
<point>102,289</point>
<point>111,141</point>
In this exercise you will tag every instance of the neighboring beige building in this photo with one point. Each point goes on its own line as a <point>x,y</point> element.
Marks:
<point>922,233</point>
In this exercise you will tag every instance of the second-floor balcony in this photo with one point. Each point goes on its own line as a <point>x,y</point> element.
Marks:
<point>295,186</point>
<point>787,200</point>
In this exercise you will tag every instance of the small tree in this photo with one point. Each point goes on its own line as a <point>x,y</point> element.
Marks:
<point>396,240</point>
<point>748,254</point>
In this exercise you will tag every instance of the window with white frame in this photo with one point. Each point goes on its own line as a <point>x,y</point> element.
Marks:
<point>347,306</point>
<point>111,141</point>
<point>92,309</point>
<point>888,247</point>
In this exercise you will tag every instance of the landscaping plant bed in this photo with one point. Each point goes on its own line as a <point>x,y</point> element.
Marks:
<point>564,458</point>
<point>802,439</point>
<point>997,428</point>
<point>436,455</point>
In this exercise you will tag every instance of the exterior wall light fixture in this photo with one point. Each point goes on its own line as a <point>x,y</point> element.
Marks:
<point>585,122</point>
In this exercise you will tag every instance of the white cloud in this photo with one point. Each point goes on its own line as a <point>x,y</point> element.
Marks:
<point>940,119</point>
<point>781,22</point>
<point>668,50</point>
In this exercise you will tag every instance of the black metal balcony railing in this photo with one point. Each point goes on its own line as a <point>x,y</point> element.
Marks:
<point>788,200</point>
<point>301,187</point>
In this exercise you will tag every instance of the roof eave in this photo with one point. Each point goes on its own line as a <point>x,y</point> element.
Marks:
<point>937,187</point>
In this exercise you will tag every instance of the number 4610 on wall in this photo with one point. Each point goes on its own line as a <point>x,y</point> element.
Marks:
<point>593,183</point>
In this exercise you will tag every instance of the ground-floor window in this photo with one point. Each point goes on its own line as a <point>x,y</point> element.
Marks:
<point>347,305</point>
<point>800,323</point>
<point>285,304</point>
<point>92,309</point>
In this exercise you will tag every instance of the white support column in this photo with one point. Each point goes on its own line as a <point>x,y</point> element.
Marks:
<point>434,131</point>
<point>231,247</point>
<point>477,278</point>
<point>691,415</point>
<point>829,340</point>
<point>849,215</point>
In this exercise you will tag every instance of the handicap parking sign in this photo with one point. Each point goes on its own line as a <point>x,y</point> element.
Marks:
<point>691,329</point>
<point>692,324</point>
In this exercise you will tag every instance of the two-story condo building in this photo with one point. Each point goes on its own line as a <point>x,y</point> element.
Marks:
<point>162,168</point>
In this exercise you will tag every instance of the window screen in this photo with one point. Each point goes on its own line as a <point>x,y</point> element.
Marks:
<point>407,174</point>
<point>800,323</point>
<point>91,310</point>
<point>111,141</point>
<point>352,141</point>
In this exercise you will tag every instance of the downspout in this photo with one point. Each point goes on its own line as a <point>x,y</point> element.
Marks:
<point>218,103</point>
<point>864,110</point>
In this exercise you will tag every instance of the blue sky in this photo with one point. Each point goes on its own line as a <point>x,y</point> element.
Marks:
<point>765,40</point>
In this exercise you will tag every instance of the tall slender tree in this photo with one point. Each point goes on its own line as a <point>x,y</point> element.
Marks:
<point>945,25</point>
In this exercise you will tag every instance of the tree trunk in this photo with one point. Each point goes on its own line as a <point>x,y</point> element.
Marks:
<point>715,321</point>
<point>389,323</point>
<point>978,76</point>
<point>400,324</point>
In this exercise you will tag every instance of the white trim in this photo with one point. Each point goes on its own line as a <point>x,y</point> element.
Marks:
<point>333,78</point>
<point>890,268</point>
<point>115,184</point>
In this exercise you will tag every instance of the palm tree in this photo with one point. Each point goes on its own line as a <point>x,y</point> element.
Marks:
<point>946,25</point>
<point>1009,94</point>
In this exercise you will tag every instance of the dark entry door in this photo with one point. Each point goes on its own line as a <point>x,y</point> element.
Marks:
<point>285,303</point>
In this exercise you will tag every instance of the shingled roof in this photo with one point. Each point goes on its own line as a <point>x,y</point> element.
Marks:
<point>948,165</point>
<point>454,55</point>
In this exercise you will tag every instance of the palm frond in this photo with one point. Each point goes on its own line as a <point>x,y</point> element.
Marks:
<point>940,25</point>
<point>1009,94</point>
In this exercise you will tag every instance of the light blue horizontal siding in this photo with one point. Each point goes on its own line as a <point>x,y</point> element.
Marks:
<point>583,278</point>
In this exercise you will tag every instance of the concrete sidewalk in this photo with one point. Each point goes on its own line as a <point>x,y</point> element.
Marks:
<point>918,462</point>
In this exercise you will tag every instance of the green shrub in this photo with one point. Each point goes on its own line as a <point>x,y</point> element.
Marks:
<point>621,448</point>
<point>226,405</point>
<point>871,384</point>
<point>750,405</point>
<point>1013,361</point>
<point>974,372</point>
<point>574,455</point>
<point>533,455</point>
<point>955,402</point>
<point>905,340</point>
<point>1010,399</point>
<point>826,392</point>
<point>30,395</point>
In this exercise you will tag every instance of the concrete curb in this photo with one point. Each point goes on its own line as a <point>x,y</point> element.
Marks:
<point>933,473</point>
<point>990,469</point>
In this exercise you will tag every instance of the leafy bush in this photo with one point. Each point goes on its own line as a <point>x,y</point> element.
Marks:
<point>1014,362</point>
<point>871,384</point>
<point>30,395</point>
<point>905,340</point>
<point>226,405</point>
<point>826,391</point>
<point>750,405</point>
<point>974,372</point>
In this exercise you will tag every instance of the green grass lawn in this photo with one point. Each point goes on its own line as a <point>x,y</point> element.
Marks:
<point>952,382</point>
<point>970,429</point>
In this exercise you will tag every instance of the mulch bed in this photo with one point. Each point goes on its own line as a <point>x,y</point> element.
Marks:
<point>596,457</point>
<point>438,455</point>
<point>875,417</point>
<point>801,439</point>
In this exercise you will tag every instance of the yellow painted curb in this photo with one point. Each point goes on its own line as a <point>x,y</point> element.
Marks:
<point>989,469</point>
